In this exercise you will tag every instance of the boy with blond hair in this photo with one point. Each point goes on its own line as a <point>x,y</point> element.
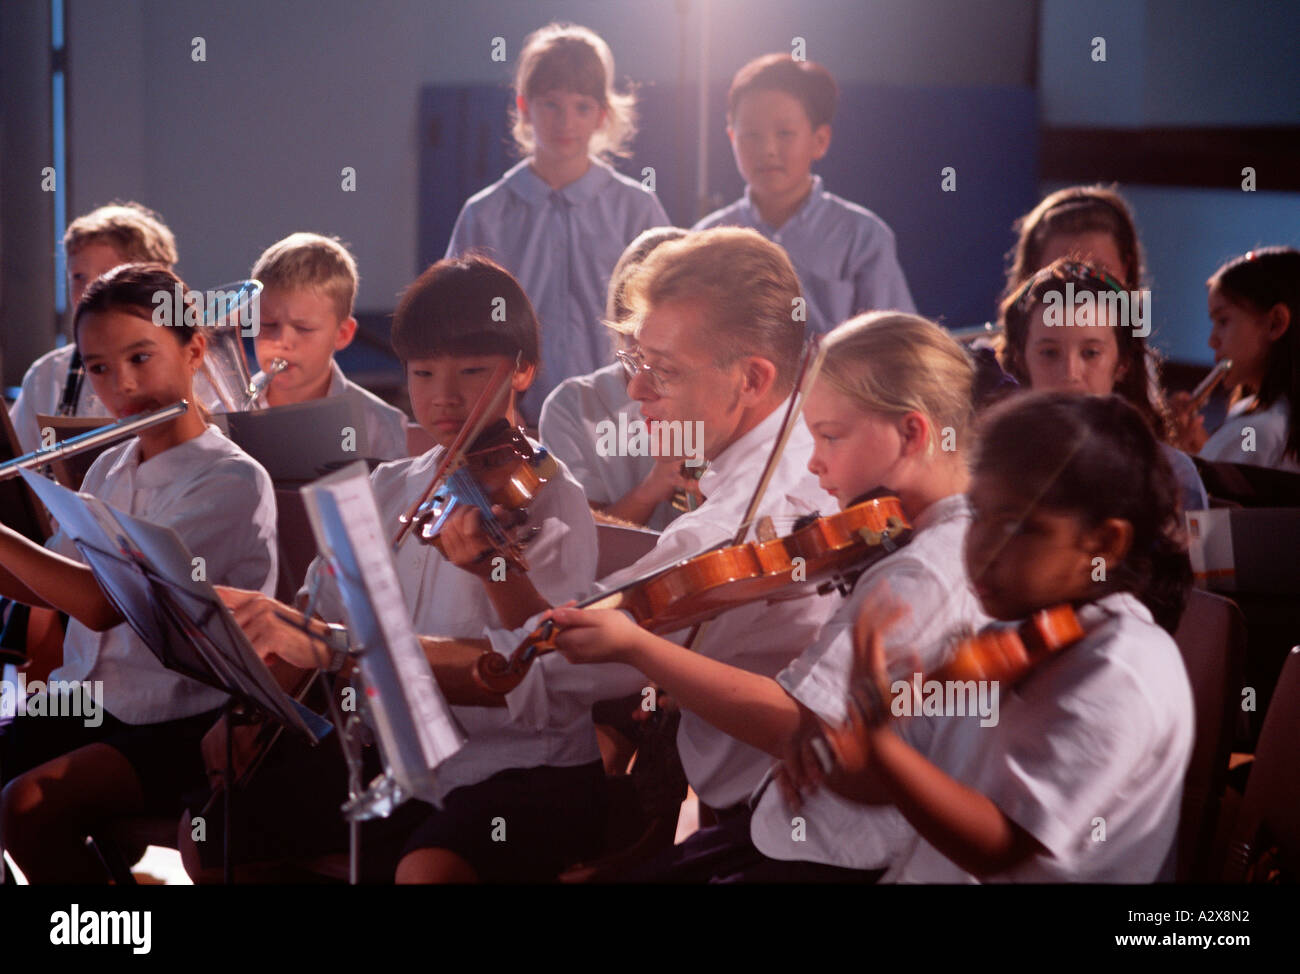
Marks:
<point>95,243</point>
<point>309,285</point>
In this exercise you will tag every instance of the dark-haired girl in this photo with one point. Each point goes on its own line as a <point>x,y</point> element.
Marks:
<point>140,752</point>
<point>1098,350</point>
<point>1080,777</point>
<point>1254,302</point>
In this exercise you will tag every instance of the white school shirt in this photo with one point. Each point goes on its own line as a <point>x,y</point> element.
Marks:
<point>843,253</point>
<point>446,601</point>
<point>760,637</point>
<point>568,428</point>
<point>219,500</point>
<point>42,392</point>
<point>385,424</point>
<point>1098,738</point>
<point>1271,427</point>
<point>561,245</point>
<point>927,575</point>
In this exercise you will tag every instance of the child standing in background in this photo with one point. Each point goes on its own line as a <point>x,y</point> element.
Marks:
<point>559,220</point>
<point>779,114</point>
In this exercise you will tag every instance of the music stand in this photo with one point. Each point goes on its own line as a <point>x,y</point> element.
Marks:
<point>146,572</point>
<point>414,725</point>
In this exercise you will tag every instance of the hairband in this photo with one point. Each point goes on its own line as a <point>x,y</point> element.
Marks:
<point>1075,268</point>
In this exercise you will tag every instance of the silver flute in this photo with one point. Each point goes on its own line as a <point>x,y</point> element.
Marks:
<point>89,440</point>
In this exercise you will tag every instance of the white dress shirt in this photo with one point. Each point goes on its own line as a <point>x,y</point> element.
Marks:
<point>446,601</point>
<point>760,637</point>
<point>568,428</point>
<point>220,502</point>
<point>385,425</point>
<point>1088,756</point>
<point>1270,426</point>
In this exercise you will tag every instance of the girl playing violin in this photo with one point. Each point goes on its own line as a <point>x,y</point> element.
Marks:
<point>1080,779</point>
<point>891,407</point>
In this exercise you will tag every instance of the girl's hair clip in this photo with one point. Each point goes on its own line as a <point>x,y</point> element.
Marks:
<point>1075,268</point>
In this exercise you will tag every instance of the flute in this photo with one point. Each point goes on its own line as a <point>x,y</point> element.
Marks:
<point>1208,384</point>
<point>93,438</point>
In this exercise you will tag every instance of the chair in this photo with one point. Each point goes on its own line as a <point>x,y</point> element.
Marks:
<point>1265,842</point>
<point>618,546</point>
<point>1212,639</point>
<point>297,543</point>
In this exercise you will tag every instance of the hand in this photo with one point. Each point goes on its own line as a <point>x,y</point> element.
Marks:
<point>595,635</point>
<point>1188,424</point>
<point>800,773</point>
<point>465,543</point>
<point>272,637</point>
<point>664,479</point>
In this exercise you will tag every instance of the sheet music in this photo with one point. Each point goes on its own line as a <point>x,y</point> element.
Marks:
<point>348,529</point>
<point>193,632</point>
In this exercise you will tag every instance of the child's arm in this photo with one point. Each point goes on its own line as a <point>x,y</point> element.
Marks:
<point>876,765</point>
<point>35,576</point>
<point>276,631</point>
<point>751,708</point>
<point>960,822</point>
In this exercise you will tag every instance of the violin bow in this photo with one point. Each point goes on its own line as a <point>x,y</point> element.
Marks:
<point>814,354</point>
<point>488,402</point>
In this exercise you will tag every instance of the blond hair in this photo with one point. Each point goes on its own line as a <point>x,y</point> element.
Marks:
<point>309,260</point>
<point>566,57</point>
<point>892,363</point>
<point>748,288</point>
<point>134,231</point>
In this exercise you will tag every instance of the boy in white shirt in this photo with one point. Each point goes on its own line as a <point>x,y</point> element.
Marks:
<point>546,785</point>
<point>94,243</point>
<point>309,286</point>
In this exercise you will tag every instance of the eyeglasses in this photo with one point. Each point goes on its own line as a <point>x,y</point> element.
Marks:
<point>634,364</point>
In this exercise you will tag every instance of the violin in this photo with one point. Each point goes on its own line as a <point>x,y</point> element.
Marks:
<point>502,468</point>
<point>820,553</point>
<point>1001,653</point>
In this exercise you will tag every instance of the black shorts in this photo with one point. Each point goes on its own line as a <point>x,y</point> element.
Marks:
<point>724,853</point>
<point>290,810</point>
<point>523,825</point>
<point>165,756</point>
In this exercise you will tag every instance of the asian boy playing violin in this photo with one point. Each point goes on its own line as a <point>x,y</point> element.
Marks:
<point>548,785</point>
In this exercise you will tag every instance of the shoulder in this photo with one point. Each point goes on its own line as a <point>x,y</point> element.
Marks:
<point>373,402</point>
<point>728,216</point>
<point>52,362</point>
<point>1126,672</point>
<point>866,226</point>
<point>101,469</point>
<point>226,462</point>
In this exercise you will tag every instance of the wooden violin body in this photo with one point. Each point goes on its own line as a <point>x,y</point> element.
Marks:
<point>711,583</point>
<point>501,468</point>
